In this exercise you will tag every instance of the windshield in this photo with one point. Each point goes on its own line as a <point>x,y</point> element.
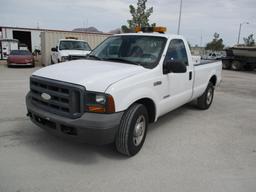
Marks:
<point>133,49</point>
<point>20,52</point>
<point>74,45</point>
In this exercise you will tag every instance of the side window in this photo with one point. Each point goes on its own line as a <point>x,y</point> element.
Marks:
<point>177,51</point>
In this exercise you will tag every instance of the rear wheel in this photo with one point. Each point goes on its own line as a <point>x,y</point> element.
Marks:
<point>132,131</point>
<point>236,65</point>
<point>205,101</point>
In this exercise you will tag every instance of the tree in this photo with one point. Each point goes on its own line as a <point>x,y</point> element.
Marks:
<point>216,44</point>
<point>140,16</point>
<point>249,41</point>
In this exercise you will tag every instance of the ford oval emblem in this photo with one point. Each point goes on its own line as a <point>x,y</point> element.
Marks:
<point>46,96</point>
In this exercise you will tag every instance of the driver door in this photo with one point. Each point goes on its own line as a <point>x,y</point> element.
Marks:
<point>180,84</point>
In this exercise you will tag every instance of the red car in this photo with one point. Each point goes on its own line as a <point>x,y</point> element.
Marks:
<point>20,58</point>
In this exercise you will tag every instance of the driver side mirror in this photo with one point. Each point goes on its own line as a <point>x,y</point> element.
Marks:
<point>54,49</point>
<point>174,66</point>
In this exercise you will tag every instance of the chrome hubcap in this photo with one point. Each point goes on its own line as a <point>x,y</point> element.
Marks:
<point>139,130</point>
<point>209,96</point>
<point>235,65</point>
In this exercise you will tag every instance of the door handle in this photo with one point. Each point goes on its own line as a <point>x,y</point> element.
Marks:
<point>190,75</point>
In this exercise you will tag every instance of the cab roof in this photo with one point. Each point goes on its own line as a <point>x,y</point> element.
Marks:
<point>72,40</point>
<point>154,34</point>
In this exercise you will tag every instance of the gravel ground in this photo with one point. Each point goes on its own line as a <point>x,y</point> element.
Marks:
<point>186,150</point>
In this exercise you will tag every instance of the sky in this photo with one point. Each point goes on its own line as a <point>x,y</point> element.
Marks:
<point>199,21</point>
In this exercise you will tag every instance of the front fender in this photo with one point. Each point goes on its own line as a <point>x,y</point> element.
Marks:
<point>125,98</point>
<point>140,86</point>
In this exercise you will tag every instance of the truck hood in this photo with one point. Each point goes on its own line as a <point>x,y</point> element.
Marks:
<point>93,75</point>
<point>73,52</point>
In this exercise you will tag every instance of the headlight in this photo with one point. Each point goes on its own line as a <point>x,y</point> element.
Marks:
<point>64,58</point>
<point>101,99</point>
<point>99,103</point>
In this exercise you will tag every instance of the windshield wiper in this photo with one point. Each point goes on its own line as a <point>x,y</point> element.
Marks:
<point>121,60</point>
<point>81,49</point>
<point>94,56</point>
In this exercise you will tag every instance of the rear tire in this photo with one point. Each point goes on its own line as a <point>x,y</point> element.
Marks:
<point>205,101</point>
<point>236,65</point>
<point>132,131</point>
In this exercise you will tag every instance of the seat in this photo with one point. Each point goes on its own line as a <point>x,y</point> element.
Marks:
<point>136,52</point>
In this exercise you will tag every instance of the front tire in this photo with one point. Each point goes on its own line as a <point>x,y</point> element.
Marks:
<point>205,101</point>
<point>132,131</point>
<point>226,64</point>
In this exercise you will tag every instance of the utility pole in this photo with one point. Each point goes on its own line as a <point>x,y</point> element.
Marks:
<point>201,39</point>
<point>179,17</point>
<point>239,32</point>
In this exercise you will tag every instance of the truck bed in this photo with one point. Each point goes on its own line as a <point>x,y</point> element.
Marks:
<point>204,62</point>
<point>202,73</point>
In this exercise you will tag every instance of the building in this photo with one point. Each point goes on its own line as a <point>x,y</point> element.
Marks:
<point>29,36</point>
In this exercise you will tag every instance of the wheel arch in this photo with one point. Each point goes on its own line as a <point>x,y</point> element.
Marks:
<point>150,106</point>
<point>213,80</point>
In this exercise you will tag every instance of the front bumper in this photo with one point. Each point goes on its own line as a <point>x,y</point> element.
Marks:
<point>90,128</point>
<point>20,64</point>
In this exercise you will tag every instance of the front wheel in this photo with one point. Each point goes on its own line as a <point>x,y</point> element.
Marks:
<point>226,64</point>
<point>132,131</point>
<point>205,101</point>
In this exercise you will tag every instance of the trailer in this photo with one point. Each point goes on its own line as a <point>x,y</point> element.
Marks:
<point>240,58</point>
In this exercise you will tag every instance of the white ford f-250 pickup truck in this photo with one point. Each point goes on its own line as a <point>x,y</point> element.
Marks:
<point>127,82</point>
<point>69,49</point>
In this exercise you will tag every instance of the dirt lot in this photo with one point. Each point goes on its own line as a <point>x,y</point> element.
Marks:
<point>186,150</point>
